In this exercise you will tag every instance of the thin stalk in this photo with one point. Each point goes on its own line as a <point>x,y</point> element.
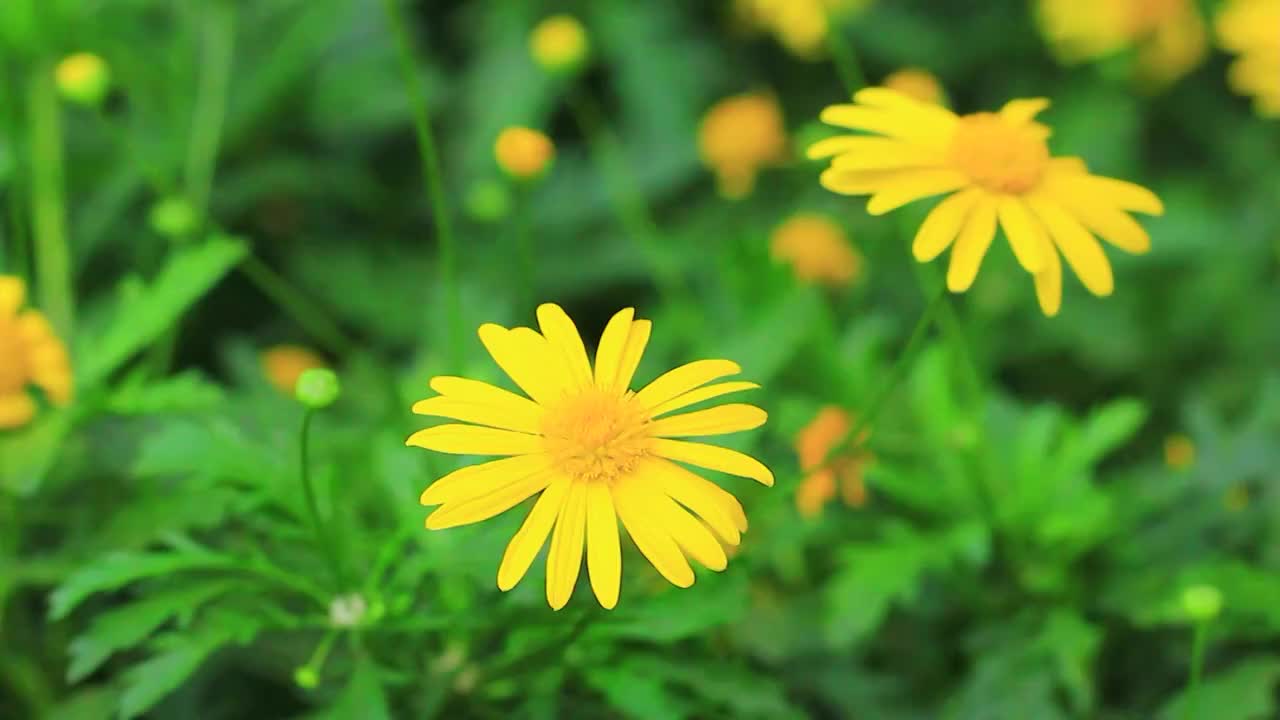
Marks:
<point>844,58</point>
<point>433,177</point>
<point>209,114</point>
<point>628,203</point>
<point>327,547</point>
<point>48,207</point>
<point>896,374</point>
<point>292,301</point>
<point>522,249</point>
<point>1198,642</point>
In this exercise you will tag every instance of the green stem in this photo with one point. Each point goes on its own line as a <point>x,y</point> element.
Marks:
<point>216,59</point>
<point>844,58</point>
<point>896,374</point>
<point>433,177</point>
<point>292,301</point>
<point>627,200</point>
<point>313,507</point>
<point>48,211</point>
<point>522,249</point>
<point>1198,642</point>
<point>951,326</point>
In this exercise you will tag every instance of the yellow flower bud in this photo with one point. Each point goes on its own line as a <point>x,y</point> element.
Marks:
<point>284,364</point>
<point>817,249</point>
<point>918,84</point>
<point>1179,452</point>
<point>83,78</point>
<point>1202,602</point>
<point>559,44</point>
<point>523,153</point>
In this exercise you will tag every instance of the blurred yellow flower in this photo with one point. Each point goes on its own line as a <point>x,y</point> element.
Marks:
<point>740,135</point>
<point>284,364</point>
<point>559,44</point>
<point>594,451</point>
<point>813,443</point>
<point>83,78</point>
<point>523,153</point>
<point>997,170</point>
<point>817,249</point>
<point>1179,452</point>
<point>1251,28</point>
<point>30,354</point>
<point>800,25</point>
<point>916,84</point>
<point>1168,35</point>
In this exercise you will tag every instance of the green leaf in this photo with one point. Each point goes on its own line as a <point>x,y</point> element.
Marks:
<point>672,616</point>
<point>121,568</point>
<point>635,694</point>
<point>363,698</point>
<point>1245,692</point>
<point>27,454</point>
<point>142,314</point>
<point>125,627</point>
<point>1105,430</point>
<point>1072,643</point>
<point>186,391</point>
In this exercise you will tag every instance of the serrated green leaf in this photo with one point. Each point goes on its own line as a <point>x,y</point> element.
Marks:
<point>125,627</point>
<point>121,568</point>
<point>635,695</point>
<point>142,314</point>
<point>1245,692</point>
<point>187,391</point>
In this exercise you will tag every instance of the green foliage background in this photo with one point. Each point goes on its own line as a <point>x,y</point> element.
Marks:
<point>1024,548</point>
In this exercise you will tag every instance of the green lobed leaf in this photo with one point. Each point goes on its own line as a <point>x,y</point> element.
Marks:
<point>1247,691</point>
<point>121,568</point>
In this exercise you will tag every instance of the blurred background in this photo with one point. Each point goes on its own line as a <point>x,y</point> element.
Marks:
<point>1075,517</point>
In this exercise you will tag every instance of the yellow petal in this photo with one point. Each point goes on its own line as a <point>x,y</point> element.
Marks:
<point>1021,111</point>
<point>528,540</point>
<point>563,337</point>
<point>731,418</point>
<point>499,416</point>
<point>708,392</point>
<point>564,559</point>
<point>12,293</point>
<point>683,379</point>
<point>488,505</point>
<point>613,343</point>
<point>913,185</point>
<point>54,379</point>
<point>604,553</point>
<point>876,153</point>
<point>971,246</point>
<point>34,328</point>
<point>891,99</point>
<point>16,410</point>
<point>924,128</point>
<point>1081,249</point>
<point>1093,189</point>
<point>713,457</point>
<point>472,440</point>
<point>653,541</point>
<point>688,532</point>
<point>637,340</point>
<point>1049,281</point>
<point>1023,231</point>
<point>476,480</point>
<point>1113,225</point>
<point>527,358</point>
<point>828,147</point>
<point>939,229</point>
<point>482,393</point>
<point>850,182</point>
<point>713,504</point>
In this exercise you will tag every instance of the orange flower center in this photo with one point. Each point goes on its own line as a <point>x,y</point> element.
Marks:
<point>997,154</point>
<point>13,366</point>
<point>596,436</point>
<point>1146,15</point>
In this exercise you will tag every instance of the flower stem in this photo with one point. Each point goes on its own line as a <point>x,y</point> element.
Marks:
<point>313,508</point>
<point>48,207</point>
<point>915,344</point>
<point>1198,642</point>
<point>209,113</point>
<point>844,58</point>
<point>433,177</point>
<point>522,249</point>
<point>296,304</point>
<point>627,200</point>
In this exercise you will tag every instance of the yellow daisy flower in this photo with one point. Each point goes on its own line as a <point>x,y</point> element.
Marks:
<point>559,44</point>
<point>800,25</point>
<point>1168,35</point>
<point>594,452</point>
<point>740,135</point>
<point>30,354</point>
<point>817,249</point>
<point>997,170</point>
<point>1249,28</point>
<point>523,153</point>
<point>819,485</point>
<point>284,364</point>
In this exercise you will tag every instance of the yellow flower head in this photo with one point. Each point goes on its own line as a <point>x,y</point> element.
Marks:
<point>30,354</point>
<point>817,250</point>
<point>523,153</point>
<point>740,135</point>
<point>594,452</point>
<point>559,44</point>
<point>83,77</point>
<point>1179,452</point>
<point>813,443</point>
<point>1168,35</point>
<point>997,171</point>
<point>284,364</point>
<point>916,84</point>
<point>1248,28</point>
<point>800,25</point>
